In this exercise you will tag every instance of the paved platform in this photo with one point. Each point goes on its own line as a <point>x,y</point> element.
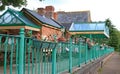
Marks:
<point>112,65</point>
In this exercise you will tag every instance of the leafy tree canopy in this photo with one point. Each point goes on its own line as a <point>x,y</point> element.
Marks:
<point>14,3</point>
<point>114,39</point>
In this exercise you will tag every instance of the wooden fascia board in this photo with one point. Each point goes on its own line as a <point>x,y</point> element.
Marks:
<point>51,27</point>
<point>18,27</point>
<point>31,28</point>
<point>86,33</point>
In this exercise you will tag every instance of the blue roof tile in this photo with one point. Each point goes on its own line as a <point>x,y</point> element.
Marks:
<point>43,19</point>
<point>69,17</point>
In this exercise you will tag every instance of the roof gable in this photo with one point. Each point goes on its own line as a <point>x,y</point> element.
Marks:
<point>15,18</point>
<point>9,17</point>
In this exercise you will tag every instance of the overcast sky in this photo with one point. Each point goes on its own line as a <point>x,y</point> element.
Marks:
<point>99,9</point>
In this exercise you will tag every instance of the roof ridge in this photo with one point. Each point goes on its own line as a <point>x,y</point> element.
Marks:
<point>13,10</point>
<point>73,11</point>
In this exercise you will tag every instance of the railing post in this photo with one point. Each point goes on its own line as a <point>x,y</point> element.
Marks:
<point>54,61</point>
<point>79,54</point>
<point>70,57</point>
<point>92,50</point>
<point>86,53</point>
<point>95,52</point>
<point>21,52</point>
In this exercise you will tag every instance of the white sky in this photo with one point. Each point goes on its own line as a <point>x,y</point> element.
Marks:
<point>100,9</point>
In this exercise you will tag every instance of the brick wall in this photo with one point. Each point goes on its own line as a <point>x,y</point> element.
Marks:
<point>50,32</point>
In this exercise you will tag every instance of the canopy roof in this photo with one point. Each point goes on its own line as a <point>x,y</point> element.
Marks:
<point>12,19</point>
<point>96,29</point>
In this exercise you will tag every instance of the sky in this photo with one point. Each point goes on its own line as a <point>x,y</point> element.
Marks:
<point>100,9</point>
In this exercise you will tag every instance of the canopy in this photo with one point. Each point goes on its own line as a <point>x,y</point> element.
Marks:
<point>96,29</point>
<point>12,19</point>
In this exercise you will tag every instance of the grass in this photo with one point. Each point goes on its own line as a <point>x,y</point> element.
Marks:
<point>99,70</point>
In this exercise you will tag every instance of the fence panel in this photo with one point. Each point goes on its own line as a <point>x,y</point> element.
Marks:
<point>75,55</point>
<point>45,57</point>
<point>9,48</point>
<point>62,56</point>
<point>83,53</point>
<point>42,57</point>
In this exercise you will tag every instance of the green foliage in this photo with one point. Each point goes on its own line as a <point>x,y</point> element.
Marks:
<point>2,7</point>
<point>14,3</point>
<point>114,39</point>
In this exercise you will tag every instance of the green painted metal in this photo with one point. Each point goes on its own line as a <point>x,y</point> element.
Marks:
<point>9,51</point>
<point>5,56</point>
<point>91,28</point>
<point>33,67</point>
<point>17,47</point>
<point>41,57</point>
<point>79,54</point>
<point>86,53</point>
<point>25,47</point>
<point>54,61</point>
<point>21,52</point>
<point>92,48</point>
<point>11,56</point>
<point>15,18</point>
<point>75,54</point>
<point>29,44</point>
<point>62,60</point>
<point>70,56</point>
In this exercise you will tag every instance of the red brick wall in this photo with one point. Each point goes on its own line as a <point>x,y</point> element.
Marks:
<point>49,32</point>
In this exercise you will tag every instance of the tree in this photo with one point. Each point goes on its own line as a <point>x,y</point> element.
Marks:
<point>14,3</point>
<point>114,39</point>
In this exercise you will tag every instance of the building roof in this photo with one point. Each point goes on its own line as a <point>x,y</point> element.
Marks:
<point>66,25</point>
<point>43,19</point>
<point>95,28</point>
<point>88,26</point>
<point>78,16</point>
<point>15,18</point>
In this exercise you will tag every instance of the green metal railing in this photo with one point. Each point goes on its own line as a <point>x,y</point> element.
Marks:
<point>24,55</point>
<point>9,54</point>
<point>62,57</point>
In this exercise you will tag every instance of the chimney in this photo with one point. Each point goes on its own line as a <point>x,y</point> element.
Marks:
<point>49,11</point>
<point>41,11</point>
<point>55,15</point>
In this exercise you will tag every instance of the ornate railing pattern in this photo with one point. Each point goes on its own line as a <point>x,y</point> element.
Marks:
<point>22,55</point>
